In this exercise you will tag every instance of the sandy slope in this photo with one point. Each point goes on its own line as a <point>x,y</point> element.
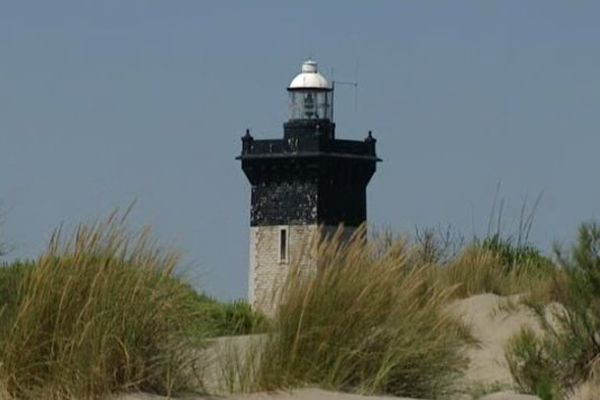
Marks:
<point>491,326</point>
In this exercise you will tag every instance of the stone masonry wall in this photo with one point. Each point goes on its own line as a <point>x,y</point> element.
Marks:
<point>266,272</point>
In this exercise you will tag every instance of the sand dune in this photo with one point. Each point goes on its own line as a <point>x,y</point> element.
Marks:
<point>487,370</point>
<point>492,327</point>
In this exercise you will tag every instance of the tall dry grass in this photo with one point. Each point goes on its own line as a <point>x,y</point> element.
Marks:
<point>98,312</point>
<point>495,264</point>
<point>477,269</point>
<point>365,320</point>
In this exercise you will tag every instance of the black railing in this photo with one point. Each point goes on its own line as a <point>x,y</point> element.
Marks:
<point>308,145</point>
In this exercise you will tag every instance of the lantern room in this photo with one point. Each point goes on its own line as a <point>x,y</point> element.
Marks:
<point>311,95</point>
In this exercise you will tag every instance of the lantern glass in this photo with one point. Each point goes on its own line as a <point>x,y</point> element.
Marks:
<point>310,104</point>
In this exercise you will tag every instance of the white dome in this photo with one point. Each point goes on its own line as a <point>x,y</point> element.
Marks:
<point>309,78</point>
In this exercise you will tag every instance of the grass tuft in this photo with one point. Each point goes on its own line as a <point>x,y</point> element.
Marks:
<point>478,269</point>
<point>365,320</point>
<point>98,312</point>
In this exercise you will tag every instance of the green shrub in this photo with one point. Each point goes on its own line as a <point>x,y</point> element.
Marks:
<point>515,255</point>
<point>98,313</point>
<point>530,364</point>
<point>238,318</point>
<point>11,277</point>
<point>569,351</point>
<point>227,319</point>
<point>363,321</point>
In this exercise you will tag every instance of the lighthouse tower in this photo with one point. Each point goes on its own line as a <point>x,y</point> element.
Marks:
<point>302,183</point>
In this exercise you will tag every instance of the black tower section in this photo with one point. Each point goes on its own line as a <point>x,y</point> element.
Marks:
<point>309,176</point>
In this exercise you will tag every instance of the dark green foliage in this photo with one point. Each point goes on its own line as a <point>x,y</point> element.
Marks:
<point>229,319</point>
<point>531,366</point>
<point>11,276</point>
<point>225,319</point>
<point>515,254</point>
<point>514,249</point>
<point>238,318</point>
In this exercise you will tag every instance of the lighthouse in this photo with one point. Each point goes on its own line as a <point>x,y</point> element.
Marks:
<point>302,183</point>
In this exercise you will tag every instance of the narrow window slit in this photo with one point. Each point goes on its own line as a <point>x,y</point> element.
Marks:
<point>283,245</point>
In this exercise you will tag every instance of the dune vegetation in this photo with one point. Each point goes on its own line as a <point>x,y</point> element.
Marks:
<point>367,320</point>
<point>372,318</point>
<point>98,312</point>
<point>101,311</point>
<point>554,364</point>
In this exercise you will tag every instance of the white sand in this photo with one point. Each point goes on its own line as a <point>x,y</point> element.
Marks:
<point>492,327</point>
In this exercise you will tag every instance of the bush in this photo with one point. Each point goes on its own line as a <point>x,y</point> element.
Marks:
<point>11,277</point>
<point>530,364</point>
<point>362,321</point>
<point>569,351</point>
<point>515,255</point>
<point>98,313</point>
<point>228,319</point>
<point>238,318</point>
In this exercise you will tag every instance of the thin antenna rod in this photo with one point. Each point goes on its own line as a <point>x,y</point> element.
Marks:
<point>356,98</point>
<point>356,81</point>
<point>332,94</point>
<point>354,84</point>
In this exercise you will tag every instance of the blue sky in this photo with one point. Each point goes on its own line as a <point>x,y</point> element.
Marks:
<point>103,102</point>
